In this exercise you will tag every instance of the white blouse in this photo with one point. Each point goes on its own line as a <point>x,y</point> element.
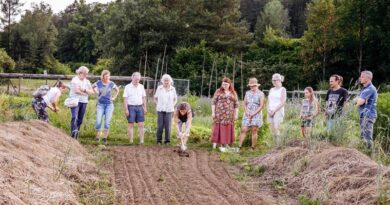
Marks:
<point>166,99</point>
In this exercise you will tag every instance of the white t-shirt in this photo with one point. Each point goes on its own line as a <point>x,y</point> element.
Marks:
<point>134,94</point>
<point>275,98</point>
<point>83,84</point>
<point>53,92</point>
<point>165,99</point>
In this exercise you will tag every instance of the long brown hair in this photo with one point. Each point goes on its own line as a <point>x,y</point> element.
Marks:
<point>311,91</point>
<point>221,90</point>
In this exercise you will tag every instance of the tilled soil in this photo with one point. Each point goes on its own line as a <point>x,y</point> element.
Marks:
<point>158,175</point>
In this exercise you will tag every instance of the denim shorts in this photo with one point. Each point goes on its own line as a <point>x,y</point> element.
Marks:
<point>136,114</point>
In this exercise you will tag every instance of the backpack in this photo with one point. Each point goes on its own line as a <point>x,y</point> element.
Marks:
<point>41,91</point>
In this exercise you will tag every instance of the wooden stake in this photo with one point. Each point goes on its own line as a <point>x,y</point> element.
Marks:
<point>242,82</point>
<point>163,60</point>
<point>146,60</point>
<point>201,87</point>
<point>140,64</point>
<point>211,77</point>
<point>234,68</point>
<point>216,76</point>
<point>155,77</point>
<point>226,67</point>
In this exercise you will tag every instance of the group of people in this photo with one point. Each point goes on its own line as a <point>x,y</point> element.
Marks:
<point>225,109</point>
<point>225,105</point>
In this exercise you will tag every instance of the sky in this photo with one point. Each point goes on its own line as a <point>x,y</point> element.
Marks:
<point>56,5</point>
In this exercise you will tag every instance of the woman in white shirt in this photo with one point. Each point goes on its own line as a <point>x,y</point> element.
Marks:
<point>165,99</point>
<point>275,106</point>
<point>80,88</point>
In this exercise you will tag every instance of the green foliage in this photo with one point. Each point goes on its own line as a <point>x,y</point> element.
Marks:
<point>102,64</point>
<point>80,25</point>
<point>231,157</point>
<point>381,126</point>
<point>274,16</point>
<point>34,40</point>
<point>305,200</point>
<point>319,40</point>
<point>7,64</point>
<point>278,184</point>
<point>252,170</point>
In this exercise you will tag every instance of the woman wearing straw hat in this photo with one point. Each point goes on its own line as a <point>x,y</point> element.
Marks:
<point>275,106</point>
<point>253,116</point>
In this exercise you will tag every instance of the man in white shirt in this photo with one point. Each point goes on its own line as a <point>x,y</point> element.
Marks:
<point>134,104</point>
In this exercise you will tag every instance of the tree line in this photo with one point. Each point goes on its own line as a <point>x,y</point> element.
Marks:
<point>201,40</point>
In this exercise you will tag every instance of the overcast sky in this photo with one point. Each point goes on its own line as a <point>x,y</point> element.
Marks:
<point>56,5</point>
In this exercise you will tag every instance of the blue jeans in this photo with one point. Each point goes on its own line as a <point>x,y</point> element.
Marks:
<point>77,113</point>
<point>104,110</point>
<point>164,122</point>
<point>366,130</point>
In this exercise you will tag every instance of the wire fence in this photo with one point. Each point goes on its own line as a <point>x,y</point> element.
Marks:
<point>182,86</point>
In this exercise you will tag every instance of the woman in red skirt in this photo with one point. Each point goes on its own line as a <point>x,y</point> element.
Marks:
<point>224,113</point>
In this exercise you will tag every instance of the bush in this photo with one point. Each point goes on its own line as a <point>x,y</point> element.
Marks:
<point>58,68</point>
<point>102,64</point>
<point>7,64</point>
<point>381,126</point>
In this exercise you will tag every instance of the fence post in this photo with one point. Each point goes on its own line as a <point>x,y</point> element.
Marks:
<point>20,79</point>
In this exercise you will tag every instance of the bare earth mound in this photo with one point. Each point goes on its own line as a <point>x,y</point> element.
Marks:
<point>157,175</point>
<point>334,175</point>
<point>39,164</point>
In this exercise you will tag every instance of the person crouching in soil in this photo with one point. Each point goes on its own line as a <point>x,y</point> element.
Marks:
<point>183,116</point>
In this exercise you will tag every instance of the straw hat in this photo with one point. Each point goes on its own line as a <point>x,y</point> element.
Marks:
<point>253,82</point>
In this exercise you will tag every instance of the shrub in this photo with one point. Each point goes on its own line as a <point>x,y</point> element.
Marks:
<point>381,126</point>
<point>7,64</point>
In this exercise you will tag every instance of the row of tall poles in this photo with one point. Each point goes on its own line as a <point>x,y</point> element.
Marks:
<point>164,67</point>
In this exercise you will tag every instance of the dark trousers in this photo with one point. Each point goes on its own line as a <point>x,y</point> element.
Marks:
<point>78,113</point>
<point>39,106</point>
<point>164,122</point>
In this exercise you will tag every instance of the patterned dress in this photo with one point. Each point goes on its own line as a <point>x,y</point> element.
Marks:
<point>223,123</point>
<point>253,100</point>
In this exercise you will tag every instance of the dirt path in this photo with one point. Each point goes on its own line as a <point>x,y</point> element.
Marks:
<point>157,175</point>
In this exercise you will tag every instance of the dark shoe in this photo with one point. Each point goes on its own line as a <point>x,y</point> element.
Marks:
<point>105,140</point>
<point>75,134</point>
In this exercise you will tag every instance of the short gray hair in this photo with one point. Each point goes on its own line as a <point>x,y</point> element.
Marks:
<point>368,74</point>
<point>82,69</point>
<point>167,77</point>
<point>135,74</point>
